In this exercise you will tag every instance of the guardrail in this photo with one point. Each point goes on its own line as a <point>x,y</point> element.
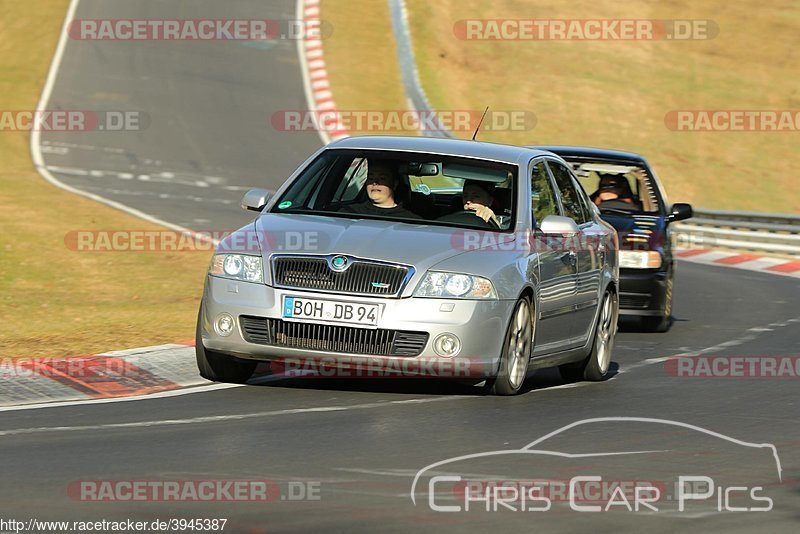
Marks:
<point>764,232</point>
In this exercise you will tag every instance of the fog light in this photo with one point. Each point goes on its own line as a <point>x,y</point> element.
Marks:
<point>224,324</point>
<point>446,345</point>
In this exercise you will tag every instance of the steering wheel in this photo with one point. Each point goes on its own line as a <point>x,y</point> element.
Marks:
<point>468,217</point>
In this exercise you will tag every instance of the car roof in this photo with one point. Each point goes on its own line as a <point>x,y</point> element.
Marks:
<point>592,152</point>
<point>456,147</point>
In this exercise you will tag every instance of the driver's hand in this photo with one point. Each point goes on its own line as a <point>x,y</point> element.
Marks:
<point>484,212</point>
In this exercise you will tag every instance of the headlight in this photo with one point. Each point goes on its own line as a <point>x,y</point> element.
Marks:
<point>237,267</point>
<point>639,259</point>
<point>455,286</point>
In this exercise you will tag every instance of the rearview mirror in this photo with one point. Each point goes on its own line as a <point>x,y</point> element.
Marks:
<point>255,199</point>
<point>555,224</point>
<point>680,212</point>
<point>421,169</point>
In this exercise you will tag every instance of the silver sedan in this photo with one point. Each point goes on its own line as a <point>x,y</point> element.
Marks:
<point>410,256</point>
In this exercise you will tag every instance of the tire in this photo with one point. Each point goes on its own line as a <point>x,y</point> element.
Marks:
<point>660,323</point>
<point>219,367</point>
<point>517,348</point>
<point>595,366</point>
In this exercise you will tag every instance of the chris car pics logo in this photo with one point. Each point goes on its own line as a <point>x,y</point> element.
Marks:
<point>445,487</point>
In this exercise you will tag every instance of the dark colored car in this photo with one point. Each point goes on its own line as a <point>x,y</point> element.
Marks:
<point>629,196</point>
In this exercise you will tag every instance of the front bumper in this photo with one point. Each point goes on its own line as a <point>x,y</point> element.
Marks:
<point>479,325</point>
<point>643,292</point>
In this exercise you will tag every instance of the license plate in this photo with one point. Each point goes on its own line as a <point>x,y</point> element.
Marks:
<point>330,311</point>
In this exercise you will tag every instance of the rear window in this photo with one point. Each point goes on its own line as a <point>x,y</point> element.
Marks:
<point>628,185</point>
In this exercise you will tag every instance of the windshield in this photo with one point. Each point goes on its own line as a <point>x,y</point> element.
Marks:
<point>617,186</point>
<point>411,187</point>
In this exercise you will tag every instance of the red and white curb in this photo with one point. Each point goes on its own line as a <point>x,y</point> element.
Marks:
<point>138,372</point>
<point>315,76</point>
<point>739,260</point>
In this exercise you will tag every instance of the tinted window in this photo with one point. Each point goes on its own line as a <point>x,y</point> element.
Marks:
<point>416,186</point>
<point>569,194</point>
<point>543,198</point>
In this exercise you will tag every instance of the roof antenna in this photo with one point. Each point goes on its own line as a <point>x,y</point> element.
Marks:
<point>479,123</point>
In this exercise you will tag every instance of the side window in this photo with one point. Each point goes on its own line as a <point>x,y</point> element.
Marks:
<point>584,201</point>
<point>353,181</point>
<point>569,194</point>
<point>543,198</point>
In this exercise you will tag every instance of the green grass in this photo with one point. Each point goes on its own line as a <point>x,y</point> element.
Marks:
<point>54,301</point>
<point>362,65</point>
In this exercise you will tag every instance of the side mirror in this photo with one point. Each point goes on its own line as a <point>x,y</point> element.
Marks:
<point>680,212</point>
<point>255,199</point>
<point>555,224</point>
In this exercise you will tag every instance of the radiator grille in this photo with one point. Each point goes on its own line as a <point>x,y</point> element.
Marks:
<point>332,338</point>
<point>360,278</point>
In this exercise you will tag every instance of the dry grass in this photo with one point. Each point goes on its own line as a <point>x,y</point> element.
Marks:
<point>608,94</point>
<point>54,301</point>
<point>361,59</point>
<point>616,94</point>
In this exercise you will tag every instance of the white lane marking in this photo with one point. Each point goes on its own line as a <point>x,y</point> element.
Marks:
<point>60,150</point>
<point>213,387</point>
<point>223,418</point>
<point>405,473</point>
<point>36,137</point>
<point>160,395</point>
<point>68,170</point>
<point>756,330</point>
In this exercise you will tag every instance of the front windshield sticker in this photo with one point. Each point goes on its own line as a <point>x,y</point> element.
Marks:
<point>285,204</point>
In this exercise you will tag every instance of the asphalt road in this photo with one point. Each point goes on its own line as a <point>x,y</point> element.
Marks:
<point>206,134</point>
<point>361,443</point>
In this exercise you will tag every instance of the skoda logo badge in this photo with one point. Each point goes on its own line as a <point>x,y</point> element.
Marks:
<point>339,263</point>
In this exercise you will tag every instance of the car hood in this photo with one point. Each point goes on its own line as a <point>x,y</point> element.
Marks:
<point>419,245</point>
